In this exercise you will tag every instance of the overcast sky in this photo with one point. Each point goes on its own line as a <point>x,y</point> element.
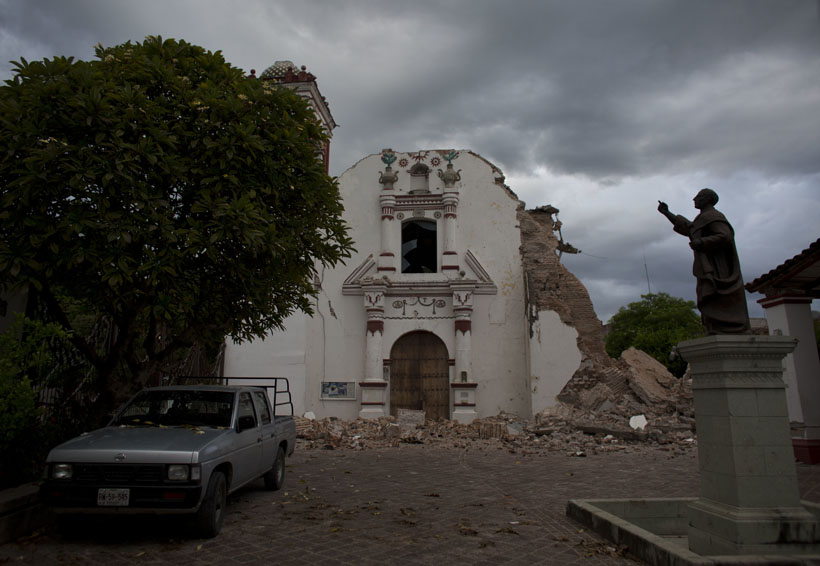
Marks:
<point>600,108</point>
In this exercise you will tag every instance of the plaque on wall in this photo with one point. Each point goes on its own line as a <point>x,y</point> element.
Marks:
<point>344,390</point>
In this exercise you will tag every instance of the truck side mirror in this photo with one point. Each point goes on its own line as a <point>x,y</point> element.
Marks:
<point>245,423</point>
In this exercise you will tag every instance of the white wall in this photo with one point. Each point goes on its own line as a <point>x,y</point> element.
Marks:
<point>554,357</point>
<point>280,354</point>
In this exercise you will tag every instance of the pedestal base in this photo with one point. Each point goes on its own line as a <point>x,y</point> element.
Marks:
<point>372,412</point>
<point>373,399</point>
<point>749,502</point>
<point>718,529</point>
<point>464,395</point>
<point>465,415</point>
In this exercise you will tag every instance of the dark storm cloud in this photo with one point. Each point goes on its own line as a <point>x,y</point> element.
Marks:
<point>597,107</point>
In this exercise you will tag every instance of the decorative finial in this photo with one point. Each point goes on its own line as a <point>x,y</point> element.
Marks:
<point>388,177</point>
<point>450,176</point>
<point>388,157</point>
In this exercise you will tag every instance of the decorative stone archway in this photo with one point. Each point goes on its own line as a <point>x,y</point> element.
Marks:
<point>419,375</point>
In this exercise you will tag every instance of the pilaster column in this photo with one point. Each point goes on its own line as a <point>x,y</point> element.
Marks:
<point>387,201</point>
<point>374,387</point>
<point>387,257</point>
<point>449,260</point>
<point>463,311</point>
<point>789,314</point>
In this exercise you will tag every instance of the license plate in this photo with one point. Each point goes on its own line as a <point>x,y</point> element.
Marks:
<point>108,497</point>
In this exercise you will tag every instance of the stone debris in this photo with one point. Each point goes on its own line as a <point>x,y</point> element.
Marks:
<point>567,429</point>
<point>642,403</point>
<point>638,422</point>
<point>648,378</point>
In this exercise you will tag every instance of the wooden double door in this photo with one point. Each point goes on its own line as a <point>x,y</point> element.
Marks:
<point>419,375</point>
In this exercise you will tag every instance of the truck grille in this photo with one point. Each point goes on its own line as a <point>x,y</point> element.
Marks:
<point>102,474</point>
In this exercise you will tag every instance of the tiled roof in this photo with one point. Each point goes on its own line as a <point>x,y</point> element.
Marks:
<point>800,272</point>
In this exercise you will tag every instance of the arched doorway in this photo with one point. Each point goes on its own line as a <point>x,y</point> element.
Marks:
<point>419,375</point>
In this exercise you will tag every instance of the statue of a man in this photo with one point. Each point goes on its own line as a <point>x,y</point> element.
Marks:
<point>721,296</point>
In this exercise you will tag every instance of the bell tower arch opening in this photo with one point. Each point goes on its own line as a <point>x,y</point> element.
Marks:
<point>419,247</point>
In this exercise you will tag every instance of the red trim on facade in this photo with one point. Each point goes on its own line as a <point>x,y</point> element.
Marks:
<point>387,254</point>
<point>449,267</point>
<point>450,253</point>
<point>373,384</point>
<point>386,269</point>
<point>372,403</point>
<point>375,326</point>
<point>769,302</point>
<point>464,326</point>
<point>461,385</point>
<point>386,362</point>
<point>451,362</point>
<point>387,217</point>
<point>806,450</point>
<point>464,405</point>
<point>450,215</point>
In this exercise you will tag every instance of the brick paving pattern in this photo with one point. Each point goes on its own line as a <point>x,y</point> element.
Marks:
<point>410,505</point>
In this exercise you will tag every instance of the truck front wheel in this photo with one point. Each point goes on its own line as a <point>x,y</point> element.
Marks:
<point>212,511</point>
<point>275,477</point>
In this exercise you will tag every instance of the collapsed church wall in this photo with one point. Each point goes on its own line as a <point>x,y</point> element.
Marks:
<point>552,288</point>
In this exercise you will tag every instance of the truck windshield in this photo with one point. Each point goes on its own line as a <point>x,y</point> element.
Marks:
<point>177,408</point>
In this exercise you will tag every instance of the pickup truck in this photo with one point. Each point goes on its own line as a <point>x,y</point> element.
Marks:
<point>178,449</point>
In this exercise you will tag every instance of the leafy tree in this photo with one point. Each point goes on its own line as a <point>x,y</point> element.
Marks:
<point>655,324</point>
<point>23,356</point>
<point>161,189</point>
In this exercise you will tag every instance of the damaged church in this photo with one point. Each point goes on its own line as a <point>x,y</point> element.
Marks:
<point>455,302</point>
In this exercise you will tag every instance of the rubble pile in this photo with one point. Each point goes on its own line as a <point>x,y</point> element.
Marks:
<point>564,428</point>
<point>643,405</point>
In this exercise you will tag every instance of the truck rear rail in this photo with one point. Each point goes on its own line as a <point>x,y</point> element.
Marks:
<point>278,391</point>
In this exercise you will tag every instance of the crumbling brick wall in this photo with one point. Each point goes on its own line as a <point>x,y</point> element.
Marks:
<point>550,286</point>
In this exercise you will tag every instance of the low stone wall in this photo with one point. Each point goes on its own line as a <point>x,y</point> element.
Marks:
<point>21,512</point>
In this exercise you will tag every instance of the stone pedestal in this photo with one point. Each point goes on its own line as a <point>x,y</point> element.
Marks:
<point>464,402</point>
<point>374,395</point>
<point>749,501</point>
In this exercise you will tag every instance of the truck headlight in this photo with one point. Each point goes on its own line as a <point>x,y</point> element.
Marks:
<point>178,472</point>
<point>62,471</point>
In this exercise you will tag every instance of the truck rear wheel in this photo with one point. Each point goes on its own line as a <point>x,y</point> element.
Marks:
<point>212,511</point>
<point>275,477</point>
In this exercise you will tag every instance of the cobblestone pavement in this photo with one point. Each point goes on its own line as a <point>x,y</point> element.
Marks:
<point>411,504</point>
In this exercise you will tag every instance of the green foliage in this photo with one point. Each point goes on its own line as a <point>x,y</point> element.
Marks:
<point>655,325</point>
<point>160,188</point>
<point>23,355</point>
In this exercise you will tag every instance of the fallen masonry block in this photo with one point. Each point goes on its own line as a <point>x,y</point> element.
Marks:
<point>409,419</point>
<point>620,433</point>
<point>492,429</point>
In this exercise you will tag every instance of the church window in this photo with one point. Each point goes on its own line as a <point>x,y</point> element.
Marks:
<point>418,247</point>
